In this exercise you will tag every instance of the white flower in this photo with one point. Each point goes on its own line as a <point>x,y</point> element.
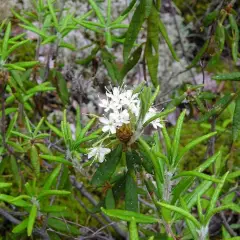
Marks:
<point>152,112</point>
<point>109,124</point>
<point>121,117</point>
<point>98,153</point>
<point>116,119</point>
<point>128,98</point>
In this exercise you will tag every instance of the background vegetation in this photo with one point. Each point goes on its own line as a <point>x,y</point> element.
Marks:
<point>57,61</point>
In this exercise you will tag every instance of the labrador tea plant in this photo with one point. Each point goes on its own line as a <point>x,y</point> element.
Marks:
<point>120,174</point>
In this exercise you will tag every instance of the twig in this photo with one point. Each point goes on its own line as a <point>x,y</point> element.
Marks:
<point>180,37</point>
<point>86,194</point>
<point>15,221</point>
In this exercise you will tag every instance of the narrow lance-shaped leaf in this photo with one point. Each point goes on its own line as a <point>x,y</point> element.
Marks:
<point>176,140</point>
<point>166,38</point>
<point>192,144</point>
<point>55,159</point>
<point>220,36</point>
<point>128,215</point>
<point>108,167</point>
<point>52,177</point>
<point>198,174</point>
<point>131,196</point>
<point>5,185</point>
<point>214,197</point>
<point>182,212</point>
<point>35,160</point>
<point>46,193</point>
<point>233,76</point>
<point>110,64</point>
<point>199,55</point>
<point>152,46</point>
<point>21,226</point>
<point>236,120</point>
<point>235,40</point>
<point>190,225</point>
<point>109,199</point>
<point>31,220</point>
<point>50,6</point>
<point>134,28</point>
<point>5,41</point>
<point>131,62</point>
<point>133,231</point>
<point>97,10</point>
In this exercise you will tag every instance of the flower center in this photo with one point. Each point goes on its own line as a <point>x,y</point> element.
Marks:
<point>124,133</point>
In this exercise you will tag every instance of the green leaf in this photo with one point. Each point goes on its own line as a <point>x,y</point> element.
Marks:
<point>53,209</point>
<point>109,199</point>
<point>182,212</point>
<point>86,128</point>
<point>21,226</point>
<point>148,8</point>
<point>233,175</point>
<point>233,76</point>
<point>55,159</point>
<point>133,231</point>
<point>192,144</point>
<point>5,41</point>
<point>166,38</point>
<point>107,168</point>
<point>128,215</point>
<point>62,226</point>
<point>210,18</point>
<point>14,168</point>
<point>198,174</point>
<point>152,46</point>
<point>35,30</point>
<point>5,185</point>
<point>55,21</point>
<point>31,220</point>
<point>190,225</point>
<point>191,198</point>
<point>46,193</point>
<point>11,126</point>
<point>97,11</point>
<point>220,36</point>
<point>236,120</point>
<point>54,129</point>
<point>26,64</point>
<point>184,184</point>
<point>129,8</point>
<point>110,64</point>
<point>49,40</point>
<point>15,46</point>
<point>176,140</point>
<point>131,195</point>
<point>62,88</point>
<point>235,40</point>
<point>134,28</point>
<point>19,203</point>
<point>131,62</point>
<point>35,160</point>
<point>214,197</point>
<point>232,206</point>
<point>67,45</point>
<point>199,55</point>
<point>52,177</point>
<point>157,165</point>
<point>10,66</point>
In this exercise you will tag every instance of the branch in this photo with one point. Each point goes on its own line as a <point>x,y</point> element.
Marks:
<point>86,194</point>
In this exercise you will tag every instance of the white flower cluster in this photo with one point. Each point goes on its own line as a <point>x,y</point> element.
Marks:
<point>118,105</point>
